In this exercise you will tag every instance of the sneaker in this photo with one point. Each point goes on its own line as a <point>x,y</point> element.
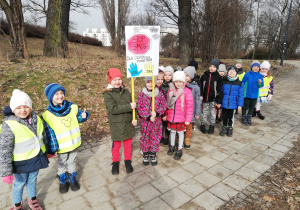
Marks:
<point>171,150</point>
<point>178,154</point>
<point>211,129</point>
<point>128,166</point>
<point>153,158</point>
<point>115,168</point>
<point>146,158</point>
<point>63,183</point>
<point>203,129</point>
<point>223,131</point>
<point>17,206</point>
<point>229,131</point>
<point>33,204</point>
<point>73,183</point>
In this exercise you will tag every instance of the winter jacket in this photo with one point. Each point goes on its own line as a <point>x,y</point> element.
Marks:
<point>233,93</point>
<point>197,80</point>
<point>196,99</point>
<point>211,87</point>
<point>165,87</point>
<point>252,86</point>
<point>7,137</point>
<point>176,115</point>
<point>119,113</point>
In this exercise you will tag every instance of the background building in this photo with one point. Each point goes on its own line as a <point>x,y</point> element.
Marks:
<point>100,34</point>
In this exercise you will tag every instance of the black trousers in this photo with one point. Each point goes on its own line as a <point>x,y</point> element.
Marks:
<point>249,104</point>
<point>227,116</point>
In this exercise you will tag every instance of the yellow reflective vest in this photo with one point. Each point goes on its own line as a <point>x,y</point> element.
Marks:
<point>241,76</point>
<point>264,91</point>
<point>27,145</point>
<point>66,129</point>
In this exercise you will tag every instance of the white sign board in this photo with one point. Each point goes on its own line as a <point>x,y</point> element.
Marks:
<point>142,50</point>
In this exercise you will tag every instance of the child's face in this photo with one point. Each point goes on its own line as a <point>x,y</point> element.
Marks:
<point>160,79</point>
<point>22,111</point>
<point>149,85</point>
<point>264,71</point>
<point>212,68</point>
<point>255,68</point>
<point>167,76</point>
<point>187,78</point>
<point>221,73</point>
<point>232,73</point>
<point>178,84</point>
<point>238,65</point>
<point>58,97</point>
<point>116,82</point>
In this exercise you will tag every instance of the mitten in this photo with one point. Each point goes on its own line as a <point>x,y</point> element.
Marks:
<point>8,179</point>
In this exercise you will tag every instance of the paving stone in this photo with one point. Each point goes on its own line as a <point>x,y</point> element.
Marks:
<point>50,199</point>
<point>258,147</point>
<point>46,186</point>
<point>228,150</point>
<point>231,164</point>
<point>90,171</point>
<point>217,155</point>
<point>250,152</point>
<point>175,198</point>
<point>120,187</point>
<point>192,188</point>
<point>155,172</point>
<point>236,144</point>
<point>180,175</point>
<point>106,206</point>
<point>190,206</point>
<point>75,203</point>
<point>138,179</point>
<point>285,143</point>
<point>4,188</point>
<point>72,194</point>
<point>94,182</point>
<point>236,182</point>
<point>207,147</point>
<point>242,158</point>
<point>274,153</point>
<point>208,201</point>
<point>264,141</point>
<point>207,161</point>
<point>247,173</point>
<point>85,153</point>
<point>194,168</point>
<point>280,148</point>
<point>4,202</point>
<point>126,201</point>
<point>186,158</point>
<point>266,159</point>
<point>146,193</point>
<point>223,191</point>
<point>220,171</point>
<point>257,166</point>
<point>207,179</point>
<point>157,204</point>
<point>164,184</point>
<point>98,196</point>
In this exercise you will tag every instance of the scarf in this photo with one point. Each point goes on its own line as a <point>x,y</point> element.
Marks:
<point>60,110</point>
<point>232,79</point>
<point>149,93</point>
<point>173,95</point>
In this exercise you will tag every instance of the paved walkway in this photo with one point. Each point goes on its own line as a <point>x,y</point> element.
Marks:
<point>214,169</point>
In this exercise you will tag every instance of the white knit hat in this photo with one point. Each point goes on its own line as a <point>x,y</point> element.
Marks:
<point>19,98</point>
<point>265,65</point>
<point>169,69</point>
<point>179,76</point>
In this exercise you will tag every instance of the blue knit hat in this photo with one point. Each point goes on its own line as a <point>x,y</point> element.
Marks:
<point>255,63</point>
<point>51,89</point>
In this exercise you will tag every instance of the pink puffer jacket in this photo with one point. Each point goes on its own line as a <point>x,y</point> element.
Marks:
<point>177,116</point>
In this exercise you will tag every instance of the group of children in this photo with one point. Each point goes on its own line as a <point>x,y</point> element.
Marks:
<point>181,97</point>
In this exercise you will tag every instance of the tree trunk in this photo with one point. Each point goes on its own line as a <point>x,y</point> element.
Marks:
<point>57,28</point>
<point>185,31</point>
<point>14,16</point>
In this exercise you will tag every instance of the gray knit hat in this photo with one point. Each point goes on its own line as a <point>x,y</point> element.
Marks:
<point>222,68</point>
<point>150,78</point>
<point>169,69</point>
<point>190,70</point>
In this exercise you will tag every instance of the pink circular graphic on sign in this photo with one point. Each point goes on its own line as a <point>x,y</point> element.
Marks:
<point>139,44</point>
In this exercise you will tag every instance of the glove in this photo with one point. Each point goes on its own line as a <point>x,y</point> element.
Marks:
<point>8,179</point>
<point>270,97</point>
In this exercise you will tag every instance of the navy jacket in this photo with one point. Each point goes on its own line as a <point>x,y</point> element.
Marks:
<point>211,87</point>
<point>251,78</point>
<point>233,93</point>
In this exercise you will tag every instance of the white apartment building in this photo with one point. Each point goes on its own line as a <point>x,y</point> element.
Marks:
<point>99,33</point>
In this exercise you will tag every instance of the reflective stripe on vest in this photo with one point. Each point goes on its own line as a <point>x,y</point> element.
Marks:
<point>264,91</point>
<point>26,144</point>
<point>66,129</point>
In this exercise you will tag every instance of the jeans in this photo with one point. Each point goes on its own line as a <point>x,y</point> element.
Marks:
<point>28,179</point>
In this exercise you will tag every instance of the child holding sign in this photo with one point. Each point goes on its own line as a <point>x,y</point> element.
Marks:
<point>151,124</point>
<point>119,113</point>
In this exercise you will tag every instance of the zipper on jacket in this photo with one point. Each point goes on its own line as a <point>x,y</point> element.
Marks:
<point>229,94</point>
<point>174,111</point>
<point>208,86</point>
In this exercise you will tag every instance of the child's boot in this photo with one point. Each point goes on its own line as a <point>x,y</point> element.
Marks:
<point>260,116</point>
<point>146,158</point>
<point>128,166</point>
<point>171,150</point>
<point>115,168</point>
<point>187,144</point>
<point>249,120</point>
<point>245,120</point>
<point>223,131</point>
<point>17,206</point>
<point>33,203</point>
<point>161,142</point>
<point>178,154</point>
<point>73,183</point>
<point>229,131</point>
<point>166,142</point>
<point>63,183</point>
<point>153,158</point>
<point>254,113</point>
<point>203,129</point>
<point>211,129</point>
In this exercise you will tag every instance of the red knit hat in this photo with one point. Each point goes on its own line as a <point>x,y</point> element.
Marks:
<point>113,73</point>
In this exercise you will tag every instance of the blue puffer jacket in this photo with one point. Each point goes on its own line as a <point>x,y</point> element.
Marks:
<point>252,84</point>
<point>233,93</point>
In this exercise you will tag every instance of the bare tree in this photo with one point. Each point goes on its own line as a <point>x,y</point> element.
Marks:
<point>108,11</point>
<point>14,16</point>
